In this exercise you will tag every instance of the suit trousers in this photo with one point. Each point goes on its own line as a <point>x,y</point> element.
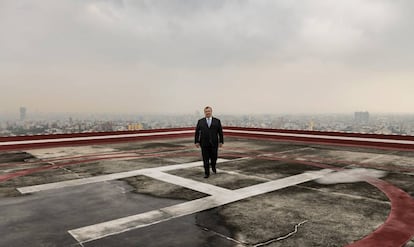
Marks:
<point>209,158</point>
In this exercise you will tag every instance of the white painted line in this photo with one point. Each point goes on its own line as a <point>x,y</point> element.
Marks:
<point>95,137</point>
<point>104,229</point>
<point>293,150</point>
<point>98,231</point>
<point>281,183</point>
<point>322,136</point>
<point>244,175</point>
<point>187,165</point>
<point>374,158</point>
<point>113,176</point>
<point>187,183</point>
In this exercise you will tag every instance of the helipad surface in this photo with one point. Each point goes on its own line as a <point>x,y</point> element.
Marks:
<point>152,193</point>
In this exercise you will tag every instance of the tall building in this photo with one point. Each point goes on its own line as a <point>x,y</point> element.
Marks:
<point>23,113</point>
<point>311,124</point>
<point>361,117</point>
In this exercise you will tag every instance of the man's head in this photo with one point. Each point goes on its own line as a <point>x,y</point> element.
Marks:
<point>208,111</point>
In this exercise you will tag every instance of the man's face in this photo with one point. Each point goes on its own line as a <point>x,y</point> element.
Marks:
<point>208,112</point>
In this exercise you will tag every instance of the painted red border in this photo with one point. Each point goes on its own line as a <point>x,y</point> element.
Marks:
<point>398,229</point>
<point>325,133</point>
<point>93,141</point>
<point>305,132</point>
<point>323,141</point>
<point>300,139</point>
<point>87,134</point>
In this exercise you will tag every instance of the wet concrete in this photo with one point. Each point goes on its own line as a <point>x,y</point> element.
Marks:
<point>183,231</point>
<point>269,169</point>
<point>340,219</point>
<point>15,156</point>
<point>150,186</point>
<point>43,219</point>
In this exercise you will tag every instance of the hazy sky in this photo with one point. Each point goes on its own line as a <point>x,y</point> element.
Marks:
<point>176,56</point>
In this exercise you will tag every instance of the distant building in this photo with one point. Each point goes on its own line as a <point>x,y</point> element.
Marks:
<point>361,117</point>
<point>135,126</point>
<point>311,124</point>
<point>22,113</point>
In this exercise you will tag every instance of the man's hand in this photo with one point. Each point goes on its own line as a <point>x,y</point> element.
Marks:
<point>197,145</point>
<point>221,145</point>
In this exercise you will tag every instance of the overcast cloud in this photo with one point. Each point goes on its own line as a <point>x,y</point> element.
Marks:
<point>176,56</point>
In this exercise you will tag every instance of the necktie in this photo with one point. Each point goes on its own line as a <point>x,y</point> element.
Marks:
<point>209,122</point>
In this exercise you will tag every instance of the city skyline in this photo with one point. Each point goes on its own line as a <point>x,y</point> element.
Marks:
<point>359,122</point>
<point>175,57</point>
<point>35,115</point>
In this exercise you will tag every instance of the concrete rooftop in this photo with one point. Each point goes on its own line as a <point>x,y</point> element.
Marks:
<point>152,193</point>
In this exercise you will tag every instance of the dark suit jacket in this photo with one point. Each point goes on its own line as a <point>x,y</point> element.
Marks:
<point>209,136</point>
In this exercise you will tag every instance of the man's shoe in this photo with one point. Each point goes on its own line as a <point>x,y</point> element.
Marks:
<point>206,176</point>
<point>214,170</point>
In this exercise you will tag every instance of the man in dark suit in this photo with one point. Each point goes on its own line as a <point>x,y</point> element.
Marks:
<point>209,135</point>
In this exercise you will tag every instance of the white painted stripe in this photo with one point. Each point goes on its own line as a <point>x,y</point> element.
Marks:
<point>187,183</point>
<point>281,183</point>
<point>322,136</point>
<point>101,230</point>
<point>244,175</point>
<point>374,158</point>
<point>95,137</point>
<point>113,176</point>
<point>98,231</point>
<point>293,150</point>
